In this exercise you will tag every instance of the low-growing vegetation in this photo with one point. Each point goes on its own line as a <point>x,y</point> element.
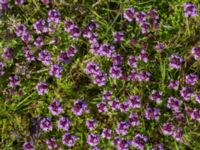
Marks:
<point>99,75</point>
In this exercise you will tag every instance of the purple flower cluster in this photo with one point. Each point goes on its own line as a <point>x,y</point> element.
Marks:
<point>175,61</point>
<point>69,139</point>
<point>42,88</point>
<point>22,31</point>
<point>55,107</point>
<point>196,52</point>
<point>79,107</point>
<point>51,143</point>
<point>54,16</point>
<point>72,29</point>
<point>152,113</point>
<point>122,127</point>
<point>46,124</point>
<point>139,141</point>
<point>8,53</point>
<point>40,26</point>
<point>13,81</point>
<point>194,113</point>
<point>91,124</point>
<point>96,74</point>
<point>56,70</point>
<point>28,146</point>
<point>170,129</point>
<point>64,123</point>
<point>190,10</point>
<point>1,68</point>
<point>93,139</point>
<point>19,2</point>
<point>143,18</point>
<point>156,96</point>
<point>45,57</point>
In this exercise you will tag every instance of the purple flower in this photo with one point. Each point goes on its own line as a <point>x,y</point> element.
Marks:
<point>20,29</point>
<point>56,70</point>
<point>45,1</point>
<point>145,26</point>
<point>177,134</point>
<point>92,68</point>
<point>133,76</point>
<point>144,56</point>
<point>186,93</point>
<point>144,76</point>
<point>158,147</point>
<point>124,106</point>
<point>196,52</point>
<point>95,49</point>
<point>116,59</point>
<point>139,141</point>
<point>168,128</point>
<point>106,95</point>
<point>46,124</point>
<point>123,144</point>
<point>72,50</point>
<point>69,139</point>
<point>114,104</point>
<point>122,127</point>
<point>13,81</point>
<point>118,36</point>
<point>19,2</point>
<point>191,79</point>
<point>92,38</point>
<point>42,88</point>
<point>134,101</point>
<point>175,61</point>
<point>196,114</point>
<point>190,10</point>
<point>40,26</point>
<point>29,56</point>
<point>197,97</point>
<point>26,37</point>
<point>93,139</point>
<point>100,78</point>
<point>160,46</point>
<point>79,107</point>
<point>8,53</point>
<point>64,57</point>
<point>51,143</point>
<point>129,14</point>
<point>115,72</point>
<point>102,107</point>
<point>91,124</point>
<point>39,41</point>
<point>153,14</point>
<point>45,57</point>
<point>72,29</point>
<point>132,61</point>
<point>1,68</point>
<point>174,84</point>
<point>152,113</point>
<point>64,123</point>
<point>156,96</point>
<point>28,146</point>
<point>173,104</point>
<point>54,16</point>
<point>106,133</point>
<point>106,50</point>
<point>141,17</point>
<point>55,107</point>
<point>134,119</point>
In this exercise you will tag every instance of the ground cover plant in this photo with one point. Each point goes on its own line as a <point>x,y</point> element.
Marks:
<point>100,75</point>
